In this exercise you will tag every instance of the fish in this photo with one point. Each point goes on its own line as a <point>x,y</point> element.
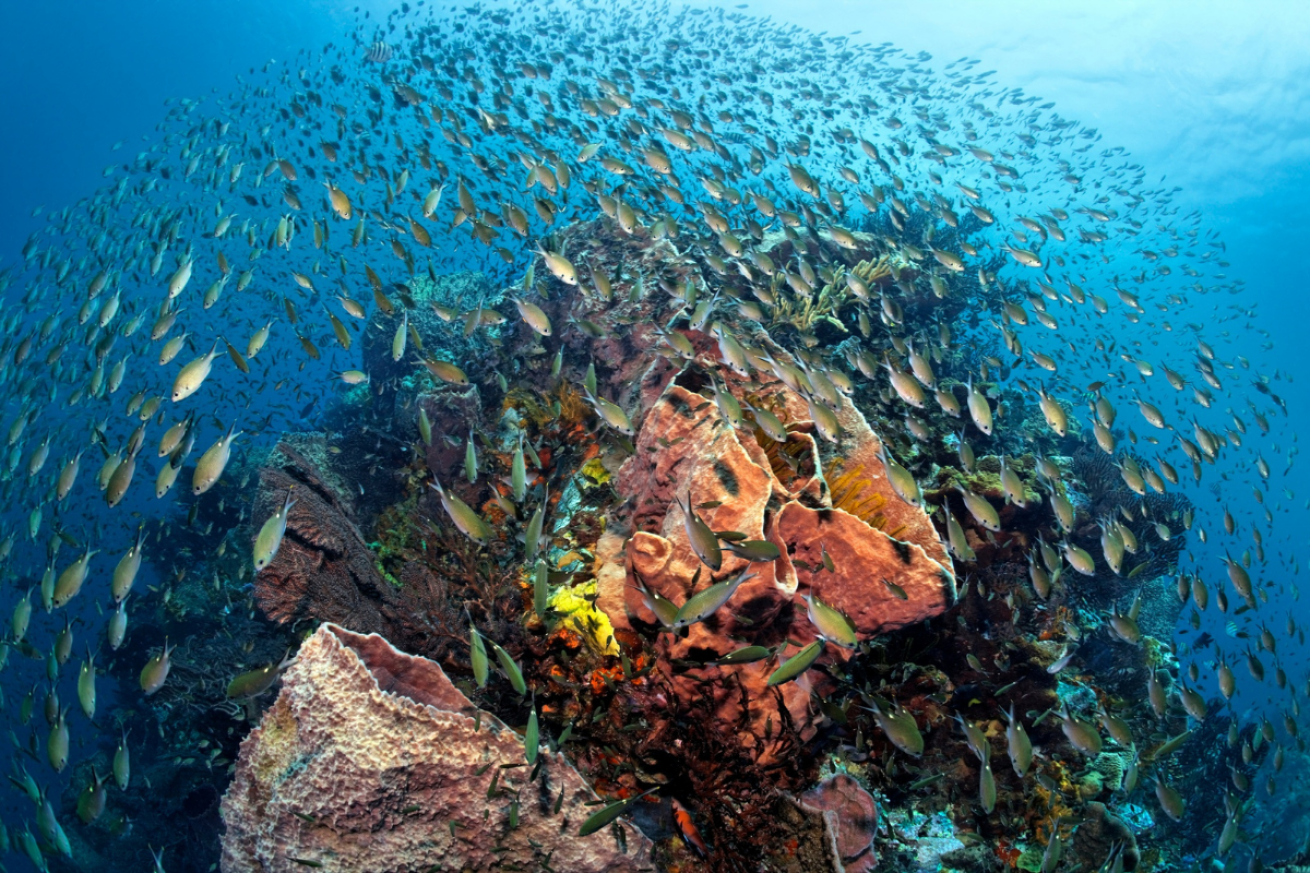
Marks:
<point>612,414</point>
<point>900,727</point>
<point>532,738</point>
<point>979,409</point>
<point>511,670</point>
<point>91,802</point>
<point>797,664</point>
<point>687,828</point>
<point>67,586</point>
<point>1018,745</point>
<point>271,532</point>
<point>665,610</point>
<point>86,686</point>
<point>703,540</point>
<point>939,235</point>
<point>518,473</point>
<point>172,438</point>
<point>210,467</point>
<point>560,267</point>
<point>193,375</point>
<point>253,683</point>
<point>478,657</point>
<point>761,551</point>
<point>155,673</point>
<point>832,624</point>
<point>745,655</point>
<point>703,604</point>
<point>465,519</point>
<point>540,588</point>
<point>1080,734</point>
<point>444,371</point>
<point>1170,800</point>
<point>532,533</point>
<point>902,481</point>
<point>533,316</point>
<point>610,813</point>
<point>116,628</point>
<point>981,509</point>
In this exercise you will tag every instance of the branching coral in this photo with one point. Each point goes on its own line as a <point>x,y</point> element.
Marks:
<point>873,271</point>
<point>805,311</point>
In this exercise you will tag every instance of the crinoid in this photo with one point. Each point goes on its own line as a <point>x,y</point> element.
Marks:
<point>789,460</point>
<point>852,491</point>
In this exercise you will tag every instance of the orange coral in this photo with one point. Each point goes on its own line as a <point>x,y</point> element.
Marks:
<point>569,638</point>
<point>603,677</point>
<point>1047,808</point>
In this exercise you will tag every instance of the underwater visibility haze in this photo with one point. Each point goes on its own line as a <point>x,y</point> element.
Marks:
<point>643,437</point>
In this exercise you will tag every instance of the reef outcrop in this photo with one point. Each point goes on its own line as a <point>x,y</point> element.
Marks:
<point>583,448</point>
<point>687,451</point>
<point>371,759</point>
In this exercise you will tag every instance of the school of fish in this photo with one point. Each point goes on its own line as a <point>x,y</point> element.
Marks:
<point>214,292</point>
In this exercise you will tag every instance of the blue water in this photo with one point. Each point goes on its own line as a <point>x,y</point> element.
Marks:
<point>1211,100</point>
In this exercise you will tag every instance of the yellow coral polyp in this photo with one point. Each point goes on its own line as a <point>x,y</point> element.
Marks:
<point>595,472</point>
<point>850,492</point>
<point>578,610</point>
<point>774,451</point>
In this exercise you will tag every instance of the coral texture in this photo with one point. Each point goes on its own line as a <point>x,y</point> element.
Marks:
<point>323,569</point>
<point>370,759</point>
<point>851,817</point>
<point>688,451</point>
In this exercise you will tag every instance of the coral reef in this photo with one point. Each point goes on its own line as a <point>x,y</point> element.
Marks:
<point>324,570</point>
<point>413,305</point>
<point>646,705</point>
<point>685,449</point>
<point>371,759</point>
